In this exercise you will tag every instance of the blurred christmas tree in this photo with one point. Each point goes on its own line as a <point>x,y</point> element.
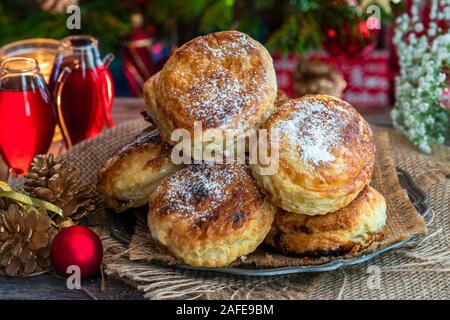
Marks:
<point>284,25</point>
<point>22,19</point>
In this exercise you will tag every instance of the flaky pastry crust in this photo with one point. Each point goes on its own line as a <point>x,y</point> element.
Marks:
<point>128,178</point>
<point>225,80</point>
<point>209,215</point>
<point>326,155</point>
<point>350,229</point>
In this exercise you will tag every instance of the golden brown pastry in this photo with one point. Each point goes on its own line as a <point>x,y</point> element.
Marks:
<point>224,80</point>
<point>281,95</point>
<point>209,215</point>
<point>348,230</point>
<point>326,155</point>
<point>131,175</point>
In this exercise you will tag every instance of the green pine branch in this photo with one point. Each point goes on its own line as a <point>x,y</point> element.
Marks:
<point>284,25</point>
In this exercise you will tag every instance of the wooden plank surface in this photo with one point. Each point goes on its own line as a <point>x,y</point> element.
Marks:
<point>50,286</point>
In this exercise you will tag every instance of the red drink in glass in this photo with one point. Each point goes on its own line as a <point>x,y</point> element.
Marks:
<point>27,115</point>
<point>83,89</point>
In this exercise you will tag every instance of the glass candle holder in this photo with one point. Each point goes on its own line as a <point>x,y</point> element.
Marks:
<point>40,49</point>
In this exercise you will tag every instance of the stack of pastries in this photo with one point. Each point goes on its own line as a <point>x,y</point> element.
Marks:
<point>318,202</point>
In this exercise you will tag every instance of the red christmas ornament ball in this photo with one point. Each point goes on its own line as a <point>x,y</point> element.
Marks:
<point>79,246</point>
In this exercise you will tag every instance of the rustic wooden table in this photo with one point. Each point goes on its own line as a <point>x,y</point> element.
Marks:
<point>49,286</point>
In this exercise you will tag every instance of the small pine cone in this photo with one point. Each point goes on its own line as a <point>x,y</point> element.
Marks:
<point>25,240</point>
<point>54,181</point>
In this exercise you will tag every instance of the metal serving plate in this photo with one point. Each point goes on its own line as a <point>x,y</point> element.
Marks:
<point>122,228</point>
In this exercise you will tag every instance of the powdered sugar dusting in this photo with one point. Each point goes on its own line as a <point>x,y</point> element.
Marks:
<point>217,95</point>
<point>232,49</point>
<point>314,130</point>
<point>200,189</point>
<point>219,98</point>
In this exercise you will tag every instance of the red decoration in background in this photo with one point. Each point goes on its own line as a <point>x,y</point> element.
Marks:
<point>444,99</point>
<point>424,13</point>
<point>77,246</point>
<point>351,40</point>
<point>284,69</point>
<point>137,56</point>
<point>368,77</point>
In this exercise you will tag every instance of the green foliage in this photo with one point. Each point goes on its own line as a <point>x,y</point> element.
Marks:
<point>22,19</point>
<point>40,24</point>
<point>285,25</point>
<point>184,11</point>
<point>298,33</point>
<point>219,15</point>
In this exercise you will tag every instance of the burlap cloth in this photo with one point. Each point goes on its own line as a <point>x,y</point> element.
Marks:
<point>419,270</point>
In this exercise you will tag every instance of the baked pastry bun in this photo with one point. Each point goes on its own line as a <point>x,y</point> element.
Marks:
<point>350,229</point>
<point>209,215</point>
<point>326,155</point>
<point>133,173</point>
<point>224,80</point>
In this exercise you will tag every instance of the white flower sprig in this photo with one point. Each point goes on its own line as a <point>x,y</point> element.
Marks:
<point>423,57</point>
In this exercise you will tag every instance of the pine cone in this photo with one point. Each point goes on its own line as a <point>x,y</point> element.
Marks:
<point>25,240</point>
<point>54,181</point>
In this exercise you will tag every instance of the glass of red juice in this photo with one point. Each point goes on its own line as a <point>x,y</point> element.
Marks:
<point>82,88</point>
<point>27,114</point>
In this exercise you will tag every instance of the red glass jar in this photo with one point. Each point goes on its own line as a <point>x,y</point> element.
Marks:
<point>82,88</point>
